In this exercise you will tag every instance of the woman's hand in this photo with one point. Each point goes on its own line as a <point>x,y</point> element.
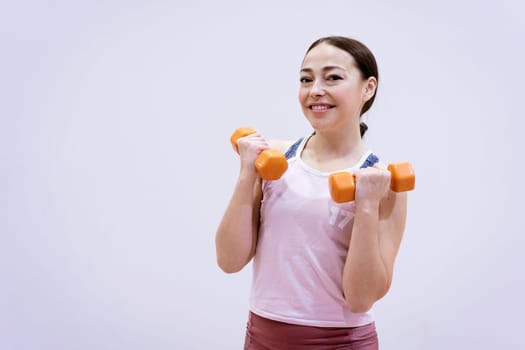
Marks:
<point>372,184</point>
<point>249,148</point>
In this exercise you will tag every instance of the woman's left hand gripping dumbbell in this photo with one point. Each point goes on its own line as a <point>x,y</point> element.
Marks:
<point>371,183</point>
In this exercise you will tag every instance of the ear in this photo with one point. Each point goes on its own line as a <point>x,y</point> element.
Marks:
<point>369,88</point>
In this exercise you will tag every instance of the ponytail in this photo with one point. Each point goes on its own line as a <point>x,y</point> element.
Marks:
<point>363,128</point>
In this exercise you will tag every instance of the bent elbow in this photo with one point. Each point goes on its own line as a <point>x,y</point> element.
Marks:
<point>229,267</point>
<point>359,306</point>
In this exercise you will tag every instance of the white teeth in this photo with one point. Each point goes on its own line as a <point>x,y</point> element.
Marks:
<point>320,107</point>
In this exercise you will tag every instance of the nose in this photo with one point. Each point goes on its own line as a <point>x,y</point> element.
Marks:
<point>317,89</point>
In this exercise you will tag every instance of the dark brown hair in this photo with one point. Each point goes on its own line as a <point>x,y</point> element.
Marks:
<point>364,59</point>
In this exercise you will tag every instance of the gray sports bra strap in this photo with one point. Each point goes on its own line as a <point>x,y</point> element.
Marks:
<point>370,161</point>
<point>293,149</point>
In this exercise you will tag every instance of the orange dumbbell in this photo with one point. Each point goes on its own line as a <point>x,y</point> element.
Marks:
<point>342,184</point>
<point>270,164</point>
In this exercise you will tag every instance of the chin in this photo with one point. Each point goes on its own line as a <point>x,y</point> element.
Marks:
<point>319,124</point>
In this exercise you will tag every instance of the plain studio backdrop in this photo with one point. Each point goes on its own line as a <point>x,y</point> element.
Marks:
<point>116,166</point>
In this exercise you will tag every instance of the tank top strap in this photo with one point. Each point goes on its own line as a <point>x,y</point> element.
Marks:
<point>291,152</point>
<point>371,160</point>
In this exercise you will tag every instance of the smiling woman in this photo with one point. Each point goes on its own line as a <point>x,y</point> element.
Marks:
<point>357,64</point>
<point>319,266</point>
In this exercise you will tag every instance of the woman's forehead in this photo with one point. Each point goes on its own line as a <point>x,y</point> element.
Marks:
<point>326,55</point>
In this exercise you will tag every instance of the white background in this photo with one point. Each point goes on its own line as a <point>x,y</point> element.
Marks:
<point>116,167</point>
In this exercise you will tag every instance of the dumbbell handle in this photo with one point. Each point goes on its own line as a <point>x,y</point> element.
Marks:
<point>342,184</point>
<point>270,164</point>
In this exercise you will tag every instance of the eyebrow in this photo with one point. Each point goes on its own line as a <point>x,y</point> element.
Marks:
<point>325,69</point>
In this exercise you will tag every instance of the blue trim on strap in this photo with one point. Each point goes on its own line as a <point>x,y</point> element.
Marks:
<point>293,149</point>
<point>370,161</point>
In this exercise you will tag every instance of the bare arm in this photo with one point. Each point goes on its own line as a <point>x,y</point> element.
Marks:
<point>378,228</point>
<point>236,237</point>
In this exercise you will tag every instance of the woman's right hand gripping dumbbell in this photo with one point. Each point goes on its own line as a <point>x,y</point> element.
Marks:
<point>255,154</point>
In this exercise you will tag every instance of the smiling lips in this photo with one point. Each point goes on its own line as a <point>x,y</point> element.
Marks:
<point>321,107</point>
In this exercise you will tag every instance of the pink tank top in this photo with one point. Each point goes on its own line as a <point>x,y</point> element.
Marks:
<point>301,250</point>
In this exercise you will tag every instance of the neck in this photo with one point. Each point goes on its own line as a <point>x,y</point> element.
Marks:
<point>337,144</point>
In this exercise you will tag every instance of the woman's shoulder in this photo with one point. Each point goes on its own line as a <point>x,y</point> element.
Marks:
<point>281,145</point>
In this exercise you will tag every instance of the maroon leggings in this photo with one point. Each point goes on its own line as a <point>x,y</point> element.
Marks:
<point>265,334</point>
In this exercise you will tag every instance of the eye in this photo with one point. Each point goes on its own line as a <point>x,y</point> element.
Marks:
<point>335,77</point>
<point>305,80</point>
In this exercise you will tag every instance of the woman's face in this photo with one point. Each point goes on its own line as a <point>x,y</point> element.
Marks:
<point>332,91</point>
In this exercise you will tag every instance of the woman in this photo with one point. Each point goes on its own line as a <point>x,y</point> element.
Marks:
<point>318,266</point>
